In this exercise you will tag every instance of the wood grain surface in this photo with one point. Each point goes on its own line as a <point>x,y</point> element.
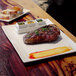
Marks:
<point>11,64</point>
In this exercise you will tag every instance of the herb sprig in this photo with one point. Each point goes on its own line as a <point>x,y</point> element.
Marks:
<point>36,32</point>
<point>44,29</point>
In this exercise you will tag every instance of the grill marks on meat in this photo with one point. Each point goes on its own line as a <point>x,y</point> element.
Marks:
<point>44,34</point>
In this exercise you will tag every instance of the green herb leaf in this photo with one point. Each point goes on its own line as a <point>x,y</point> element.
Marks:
<point>28,35</point>
<point>36,32</point>
<point>44,29</point>
<point>39,20</point>
<point>21,23</point>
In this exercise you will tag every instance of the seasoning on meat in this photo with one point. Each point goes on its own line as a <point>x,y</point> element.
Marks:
<point>46,33</point>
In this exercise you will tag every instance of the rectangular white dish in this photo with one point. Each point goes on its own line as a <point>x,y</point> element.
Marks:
<point>25,11</point>
<point>24,27</point>
<point>24,50</point>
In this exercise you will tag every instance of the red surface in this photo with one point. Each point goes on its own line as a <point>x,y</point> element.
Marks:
<point>11,64</point>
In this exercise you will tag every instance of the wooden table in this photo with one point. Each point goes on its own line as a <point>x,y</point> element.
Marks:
<point>11,64</point>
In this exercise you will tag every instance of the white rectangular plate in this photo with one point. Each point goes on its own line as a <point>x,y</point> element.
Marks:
<point>24,50</point>
<point>25,11</point>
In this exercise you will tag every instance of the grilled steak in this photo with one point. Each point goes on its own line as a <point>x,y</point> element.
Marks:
<point>44,34</point>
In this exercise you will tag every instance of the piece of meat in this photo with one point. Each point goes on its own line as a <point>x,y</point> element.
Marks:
<point>46,33</point>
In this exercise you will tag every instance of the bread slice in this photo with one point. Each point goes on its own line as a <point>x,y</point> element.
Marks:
<point>9,11</point>
<point>49,52</point>
<point>18,9</point>
<point>4,16</point>
<point>13,12</point>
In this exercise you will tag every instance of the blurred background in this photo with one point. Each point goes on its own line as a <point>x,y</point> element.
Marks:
<point>64,11</point>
